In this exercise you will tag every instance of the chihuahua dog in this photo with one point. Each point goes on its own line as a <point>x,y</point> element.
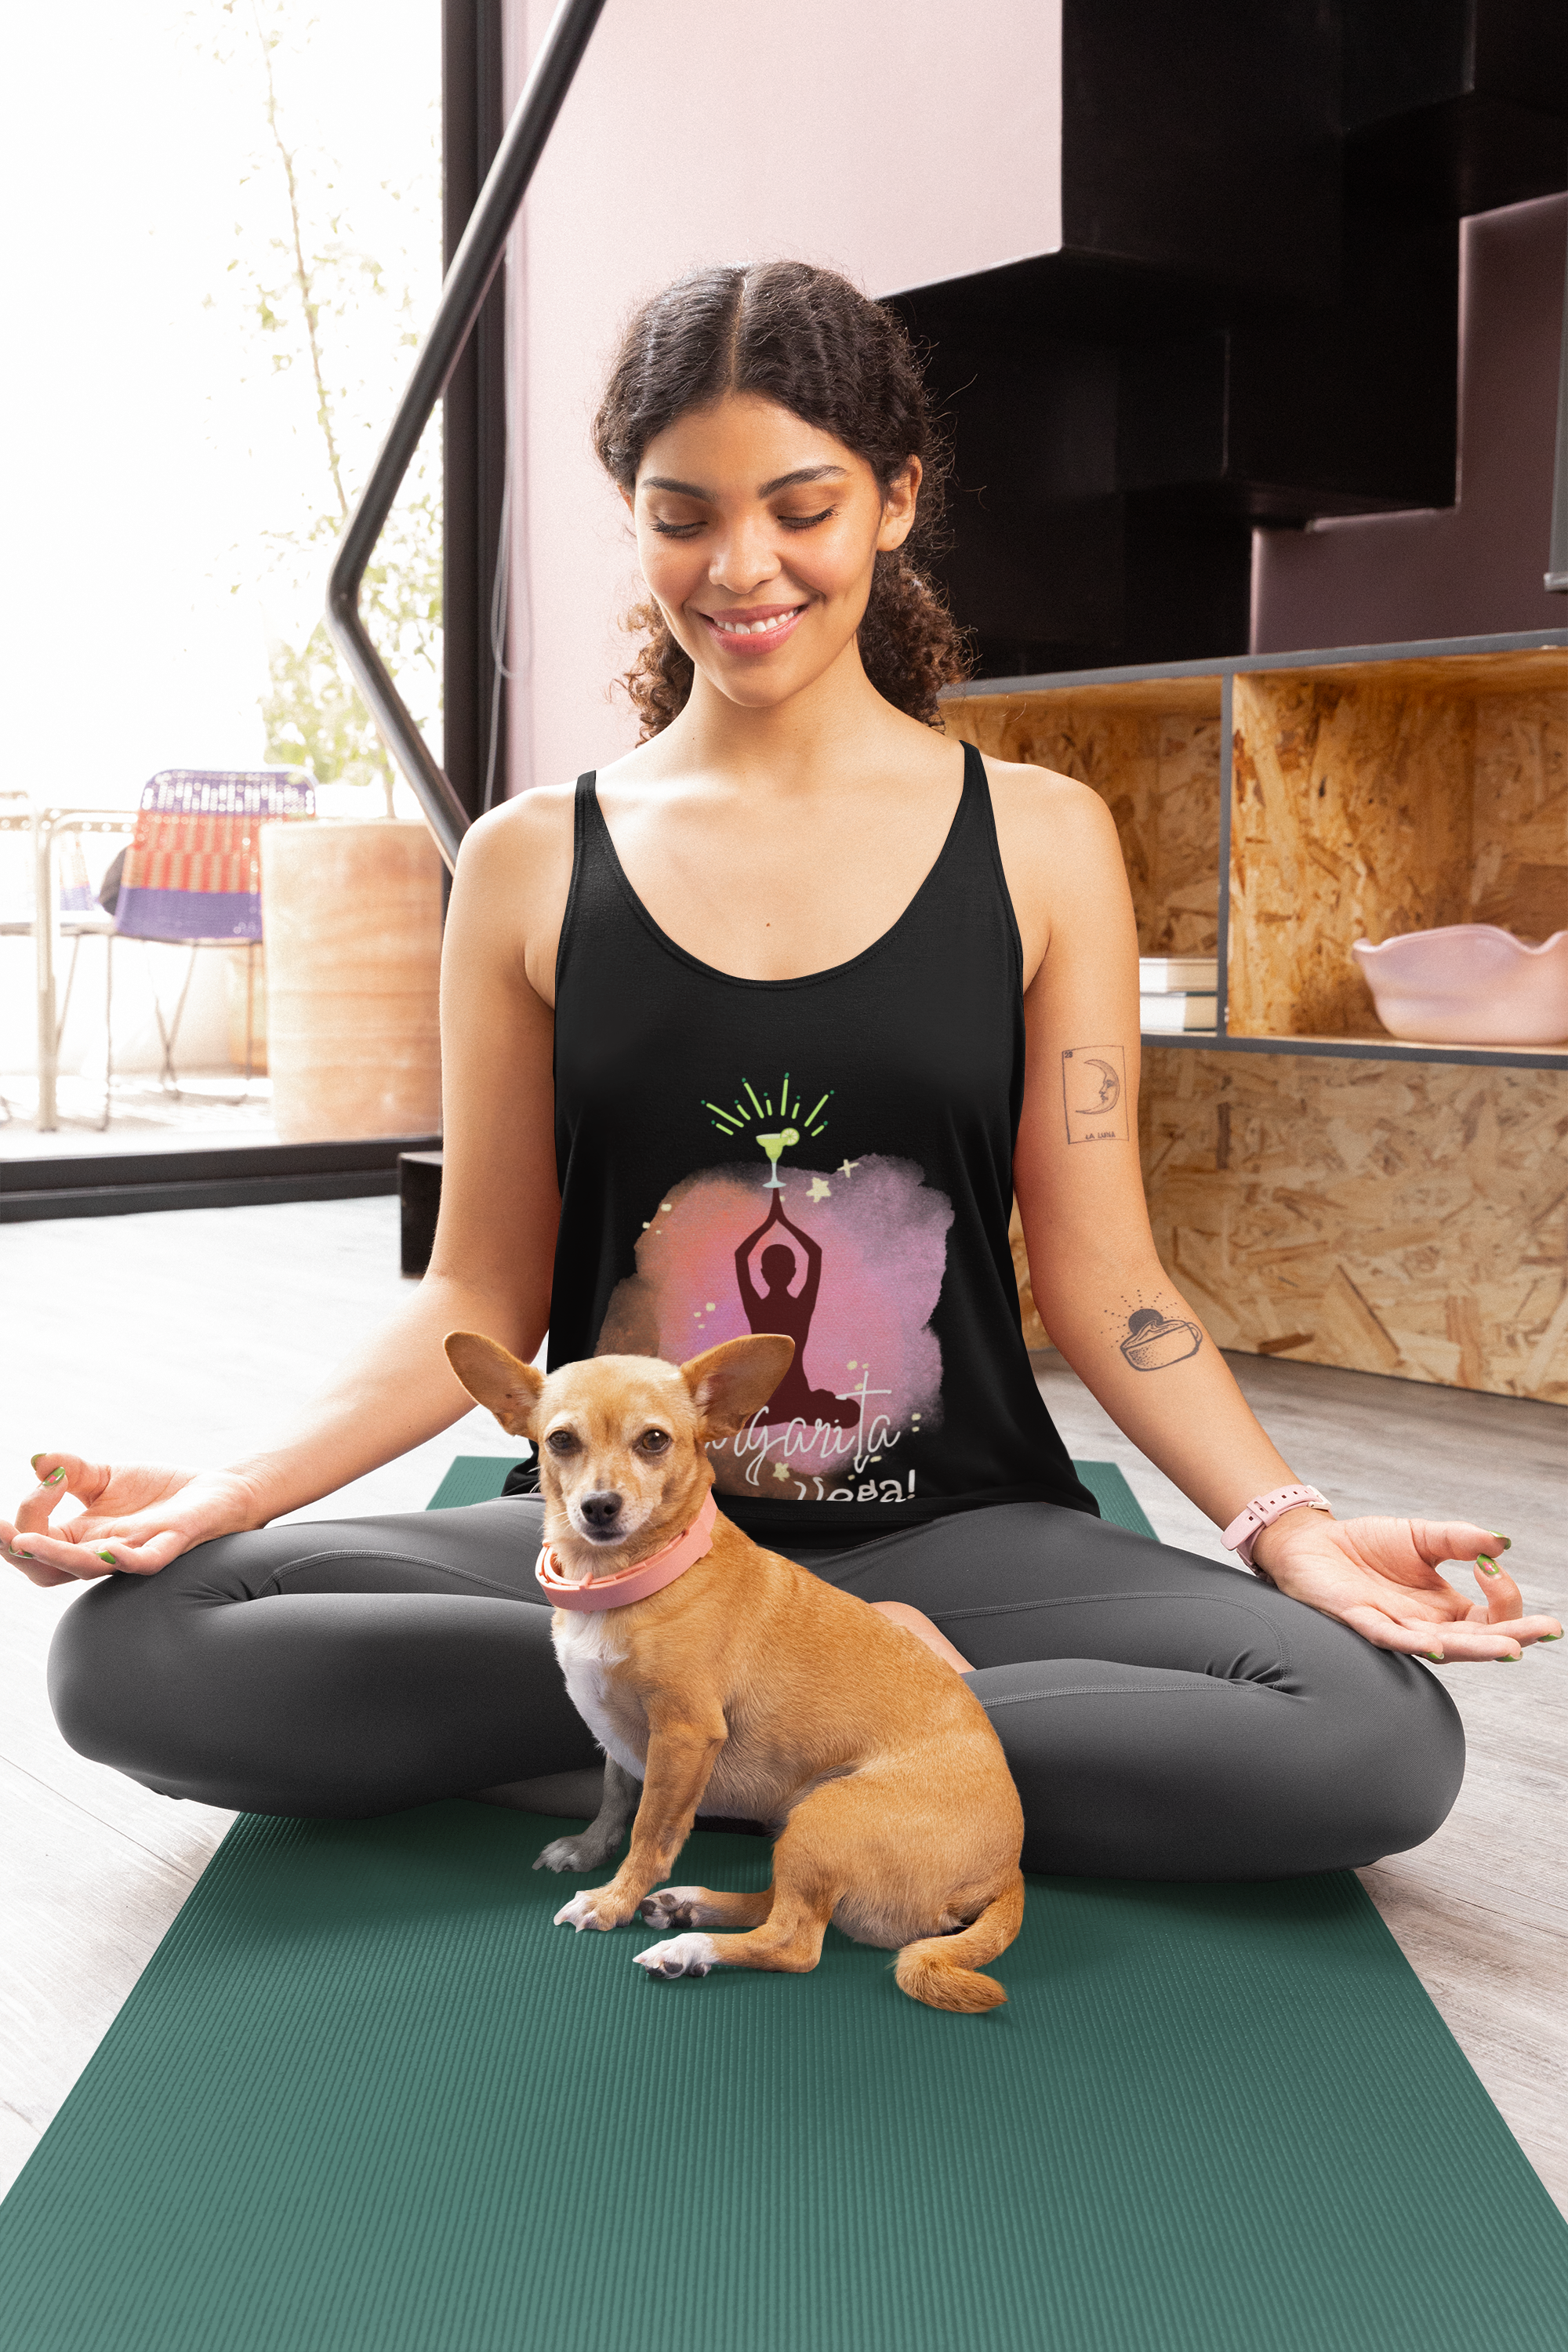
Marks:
<point>719,1676</point>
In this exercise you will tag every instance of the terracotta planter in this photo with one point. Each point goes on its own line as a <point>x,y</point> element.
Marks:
<point>352,914</point>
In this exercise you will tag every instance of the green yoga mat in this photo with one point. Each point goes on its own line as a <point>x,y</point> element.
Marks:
<point>366,2098</point>
<point>479,1478</point>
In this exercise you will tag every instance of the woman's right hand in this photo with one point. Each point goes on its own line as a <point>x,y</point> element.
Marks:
<point>135,1516</point>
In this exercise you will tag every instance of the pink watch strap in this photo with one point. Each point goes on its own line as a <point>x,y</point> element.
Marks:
<point>1261,1512</point>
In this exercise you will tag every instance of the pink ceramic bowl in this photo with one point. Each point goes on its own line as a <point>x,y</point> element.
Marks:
<point>1470,984</point>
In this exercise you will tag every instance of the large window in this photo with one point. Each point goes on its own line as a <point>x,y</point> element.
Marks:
<point>224,231</point>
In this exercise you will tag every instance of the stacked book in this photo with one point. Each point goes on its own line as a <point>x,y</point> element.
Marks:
<point>1176,992</point>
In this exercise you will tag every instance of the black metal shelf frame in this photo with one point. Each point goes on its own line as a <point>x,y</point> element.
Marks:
<point>1370,1049</point>
<point>1226,666</point>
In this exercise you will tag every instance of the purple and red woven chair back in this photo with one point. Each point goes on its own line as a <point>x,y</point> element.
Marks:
<point>193,867</point>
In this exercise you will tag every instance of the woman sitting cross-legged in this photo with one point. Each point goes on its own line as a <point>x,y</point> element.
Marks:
<point>786,1006</point>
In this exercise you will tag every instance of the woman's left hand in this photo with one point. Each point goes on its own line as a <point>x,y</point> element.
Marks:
<point>1380,1575</point>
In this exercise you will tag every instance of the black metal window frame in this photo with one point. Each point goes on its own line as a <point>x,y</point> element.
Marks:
<point>476,425</point>
<point>473,419</point>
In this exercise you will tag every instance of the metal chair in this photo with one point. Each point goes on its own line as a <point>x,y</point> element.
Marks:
<point>80,917</point>
<point>15,821</point>
<point>192,875</point>
<point>63,908</point>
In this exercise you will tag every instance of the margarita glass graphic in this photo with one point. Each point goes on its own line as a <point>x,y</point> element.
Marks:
<point>793,1118</point>
<point>784,1141</point>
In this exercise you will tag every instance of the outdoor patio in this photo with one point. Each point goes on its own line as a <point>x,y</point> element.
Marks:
<point>138,947</point>
<point>111,1040</point>
<point>143,1117</point>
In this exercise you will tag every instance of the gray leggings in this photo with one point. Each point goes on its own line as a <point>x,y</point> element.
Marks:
<point>1164,1716</point>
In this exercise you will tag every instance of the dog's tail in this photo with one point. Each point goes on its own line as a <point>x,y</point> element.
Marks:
<point>943,1970</point>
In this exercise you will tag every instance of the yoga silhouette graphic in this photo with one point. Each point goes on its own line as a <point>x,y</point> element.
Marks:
<point>778,1308</point>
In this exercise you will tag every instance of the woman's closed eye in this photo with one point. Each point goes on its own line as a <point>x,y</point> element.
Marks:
<point>667,527</point>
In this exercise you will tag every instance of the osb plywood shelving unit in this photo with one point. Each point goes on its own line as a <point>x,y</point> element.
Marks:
<point>1319,1189</point>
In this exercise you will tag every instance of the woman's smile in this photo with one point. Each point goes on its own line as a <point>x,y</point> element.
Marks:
<point>751,629</point>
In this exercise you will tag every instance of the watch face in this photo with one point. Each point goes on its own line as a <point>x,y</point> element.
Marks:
<point>1154,1340</point>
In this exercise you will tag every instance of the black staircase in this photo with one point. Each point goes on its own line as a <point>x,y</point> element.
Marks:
<point>1253,319</point>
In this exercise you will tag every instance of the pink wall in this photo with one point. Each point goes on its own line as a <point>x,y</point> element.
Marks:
<point>901,145</point>
<point>1475,568</point>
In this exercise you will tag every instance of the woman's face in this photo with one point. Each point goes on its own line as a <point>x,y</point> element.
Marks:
<point>758,534</point>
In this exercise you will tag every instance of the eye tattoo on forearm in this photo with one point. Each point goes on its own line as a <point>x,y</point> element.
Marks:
<point>1094,1094</point>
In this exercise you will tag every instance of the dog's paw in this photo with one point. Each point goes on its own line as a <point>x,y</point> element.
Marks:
<point>683,1955</point>
<point>569,1853</point>
<point>582,1911</point>
<point>673,1907</point>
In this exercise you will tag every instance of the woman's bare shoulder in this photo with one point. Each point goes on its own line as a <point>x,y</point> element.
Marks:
<point>514,871</point>
<point>531,819</point>
<point>1052,830</point>
<point>522,844</point>
<point>1059,850</point>
<point>1033,799</point>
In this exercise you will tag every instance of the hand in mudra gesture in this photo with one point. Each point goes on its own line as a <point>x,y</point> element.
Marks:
<point>1380,1577</point>
<point>135,1516</point>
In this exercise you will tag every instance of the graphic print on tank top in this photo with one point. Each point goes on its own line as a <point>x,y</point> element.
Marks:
<point>830,1156</point>
<point>847,1261</point>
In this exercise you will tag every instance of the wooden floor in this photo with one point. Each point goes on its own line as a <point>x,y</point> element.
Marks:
<point>177,1334</point>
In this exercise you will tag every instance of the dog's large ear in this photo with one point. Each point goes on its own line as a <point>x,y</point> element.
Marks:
<point>731,1381</point>
<point>496,1378</point>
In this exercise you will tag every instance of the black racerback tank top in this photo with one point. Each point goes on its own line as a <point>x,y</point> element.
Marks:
<point>830,1157</point>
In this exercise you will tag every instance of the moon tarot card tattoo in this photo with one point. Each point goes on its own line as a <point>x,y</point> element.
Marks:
<point>1094,1094</point>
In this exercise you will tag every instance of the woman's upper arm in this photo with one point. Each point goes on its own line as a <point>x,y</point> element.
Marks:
<point>1079,1186</point>
<point>499,1203</point>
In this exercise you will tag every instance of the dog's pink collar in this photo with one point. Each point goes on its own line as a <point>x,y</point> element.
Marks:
<point>650,1575</point>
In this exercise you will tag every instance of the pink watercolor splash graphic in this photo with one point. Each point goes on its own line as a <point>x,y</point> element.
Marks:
<point>870,1369</point>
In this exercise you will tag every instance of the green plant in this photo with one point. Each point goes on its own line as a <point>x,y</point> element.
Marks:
<point>316,300</point>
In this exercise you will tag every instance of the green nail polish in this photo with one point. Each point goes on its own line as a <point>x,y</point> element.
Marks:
<point>1552,1637</point>
<point>55,1475</point>
<point>1509,1657</point>
<point>109,1556</point>
<point>35,1459</point>
<point>1435,1656</point>
<point>1502,1543</point>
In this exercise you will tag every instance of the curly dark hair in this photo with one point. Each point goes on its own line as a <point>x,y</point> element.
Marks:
<point>808,340</point>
